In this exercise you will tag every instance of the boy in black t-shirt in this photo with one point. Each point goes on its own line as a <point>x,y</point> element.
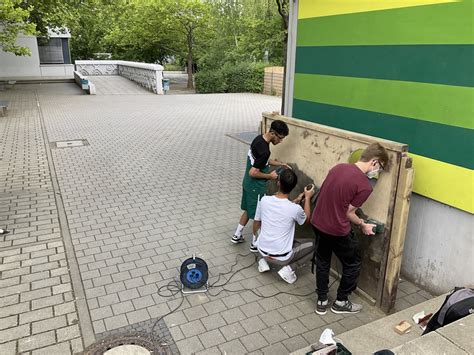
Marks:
<point>257,173</point>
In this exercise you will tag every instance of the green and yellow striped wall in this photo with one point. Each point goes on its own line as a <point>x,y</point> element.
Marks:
<point>399,70</point>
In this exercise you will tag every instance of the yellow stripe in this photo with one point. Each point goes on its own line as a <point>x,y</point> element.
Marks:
<point>320,8</point>
<point>446,183</point>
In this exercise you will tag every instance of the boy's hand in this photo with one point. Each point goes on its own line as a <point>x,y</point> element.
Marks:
<point>367,228</point>
<point>299,198</point>
<point>309,191</point>
<point>273,175</point>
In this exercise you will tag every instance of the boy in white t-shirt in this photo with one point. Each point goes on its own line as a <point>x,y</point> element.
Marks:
<point>276,217</point>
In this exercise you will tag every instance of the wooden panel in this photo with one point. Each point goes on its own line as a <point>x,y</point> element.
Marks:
<point>397,235</point>
<point>312,149</point>
<point>273,81</point>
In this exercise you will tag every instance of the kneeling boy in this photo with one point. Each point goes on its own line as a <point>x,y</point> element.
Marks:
<point>276,217</point>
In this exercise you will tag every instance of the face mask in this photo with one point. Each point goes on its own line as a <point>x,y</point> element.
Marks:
<point>373,174</point>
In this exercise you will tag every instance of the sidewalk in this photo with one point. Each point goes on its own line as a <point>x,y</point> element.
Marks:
<point>98,228</point>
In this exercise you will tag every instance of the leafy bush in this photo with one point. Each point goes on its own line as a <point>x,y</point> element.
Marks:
<point>240,77</point>
<point>173,67</point>
<point>209,81</point>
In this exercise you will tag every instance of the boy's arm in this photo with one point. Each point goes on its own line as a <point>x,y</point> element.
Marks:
<point>257,174</point>
<point>366,228</point>
<point>275,162</point>
<point>255,227</point>
<point>308,193</point>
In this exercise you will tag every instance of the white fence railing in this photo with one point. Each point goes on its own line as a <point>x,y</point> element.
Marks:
<point>84,83</point>
<point>147,75</point>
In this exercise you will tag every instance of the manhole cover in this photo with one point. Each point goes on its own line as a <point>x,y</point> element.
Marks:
<point>128,350</point>
<point>70,144</point>
<point>136,344</point>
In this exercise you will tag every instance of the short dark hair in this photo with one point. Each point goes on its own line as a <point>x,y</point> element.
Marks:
<point>288,181</point>
<point>279,127</point>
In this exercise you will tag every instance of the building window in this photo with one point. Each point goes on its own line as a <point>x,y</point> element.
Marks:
<point>53,51</point>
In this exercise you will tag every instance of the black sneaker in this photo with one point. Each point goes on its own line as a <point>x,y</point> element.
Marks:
<point>253,248</point>
<point>322,307</point>
<point>347,306</point>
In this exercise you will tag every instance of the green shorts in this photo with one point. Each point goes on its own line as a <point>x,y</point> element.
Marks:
<point>250,198</point>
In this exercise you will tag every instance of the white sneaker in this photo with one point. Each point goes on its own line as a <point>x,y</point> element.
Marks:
<point>236,239</point>
<point>287,274</point>
<point>263,265</point>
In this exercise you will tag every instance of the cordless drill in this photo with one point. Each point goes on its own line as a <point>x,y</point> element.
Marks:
<point>379,226</point>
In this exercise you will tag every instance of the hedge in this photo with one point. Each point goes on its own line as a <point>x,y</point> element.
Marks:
<point>241,77</point>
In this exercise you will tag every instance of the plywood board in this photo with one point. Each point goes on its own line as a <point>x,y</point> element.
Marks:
<point>312,150</point>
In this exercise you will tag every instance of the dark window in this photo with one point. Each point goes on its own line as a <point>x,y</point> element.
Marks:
<point>53,51</point>
<point>66,55</point>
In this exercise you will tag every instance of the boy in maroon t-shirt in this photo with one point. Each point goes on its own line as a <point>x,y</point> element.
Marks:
<point>345,189</point>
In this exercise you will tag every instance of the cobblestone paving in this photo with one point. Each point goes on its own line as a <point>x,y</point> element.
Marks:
<point>158,182</point>
<point>37,305</point>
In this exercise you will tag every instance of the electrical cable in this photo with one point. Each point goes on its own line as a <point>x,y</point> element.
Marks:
<point>172,288</point>
<point>258,294</point>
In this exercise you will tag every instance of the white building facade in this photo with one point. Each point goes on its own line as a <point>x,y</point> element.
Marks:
<point>50,59</point>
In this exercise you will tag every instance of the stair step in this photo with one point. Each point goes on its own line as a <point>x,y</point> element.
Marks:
<point>379,334</point>
<point>454,338</point>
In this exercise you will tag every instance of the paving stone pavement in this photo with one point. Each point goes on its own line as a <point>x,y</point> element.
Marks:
<point>37,302</point>
<point>98,229</point>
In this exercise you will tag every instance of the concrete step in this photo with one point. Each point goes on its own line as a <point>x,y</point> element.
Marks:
<point>379,334</point>
<point>454,338</point>
<point>44,80</point>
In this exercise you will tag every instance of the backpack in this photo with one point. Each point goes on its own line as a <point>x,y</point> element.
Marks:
<point>458,304</point>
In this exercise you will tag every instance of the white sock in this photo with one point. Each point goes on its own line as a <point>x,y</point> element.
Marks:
<point>238,231</point>
<point>254,239</point>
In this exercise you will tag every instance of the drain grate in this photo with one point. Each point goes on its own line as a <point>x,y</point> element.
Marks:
<point>69,144</point>
<point>149,344</point>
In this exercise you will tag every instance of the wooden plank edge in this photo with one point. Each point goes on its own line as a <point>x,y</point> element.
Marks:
<point>358,137</point>
<point>387,235</point>
<point>398,232</point>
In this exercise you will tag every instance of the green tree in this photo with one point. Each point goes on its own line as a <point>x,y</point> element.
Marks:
<point>143,31</point>
<point>51,15</point>
<point>244,30</point>
<point>190,19</point>
<point>13,21</point>
<point>90,26</point>
<point>33,17</point>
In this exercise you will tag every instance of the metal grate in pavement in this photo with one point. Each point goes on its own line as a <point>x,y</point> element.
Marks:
<point>69,144</point>
<point>160,335</point>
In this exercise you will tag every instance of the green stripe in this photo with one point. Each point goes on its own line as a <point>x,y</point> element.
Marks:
<point>445,143</point>
<point>449,23</point>
<point>451,105</point>
<point>438,64</point>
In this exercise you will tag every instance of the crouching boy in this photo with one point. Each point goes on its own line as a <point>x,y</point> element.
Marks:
<point>276,217</point>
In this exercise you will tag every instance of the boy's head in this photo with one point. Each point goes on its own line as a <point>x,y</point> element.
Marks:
<point>287,181</point>
<point>377,153</point>
<point>278,131</point>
